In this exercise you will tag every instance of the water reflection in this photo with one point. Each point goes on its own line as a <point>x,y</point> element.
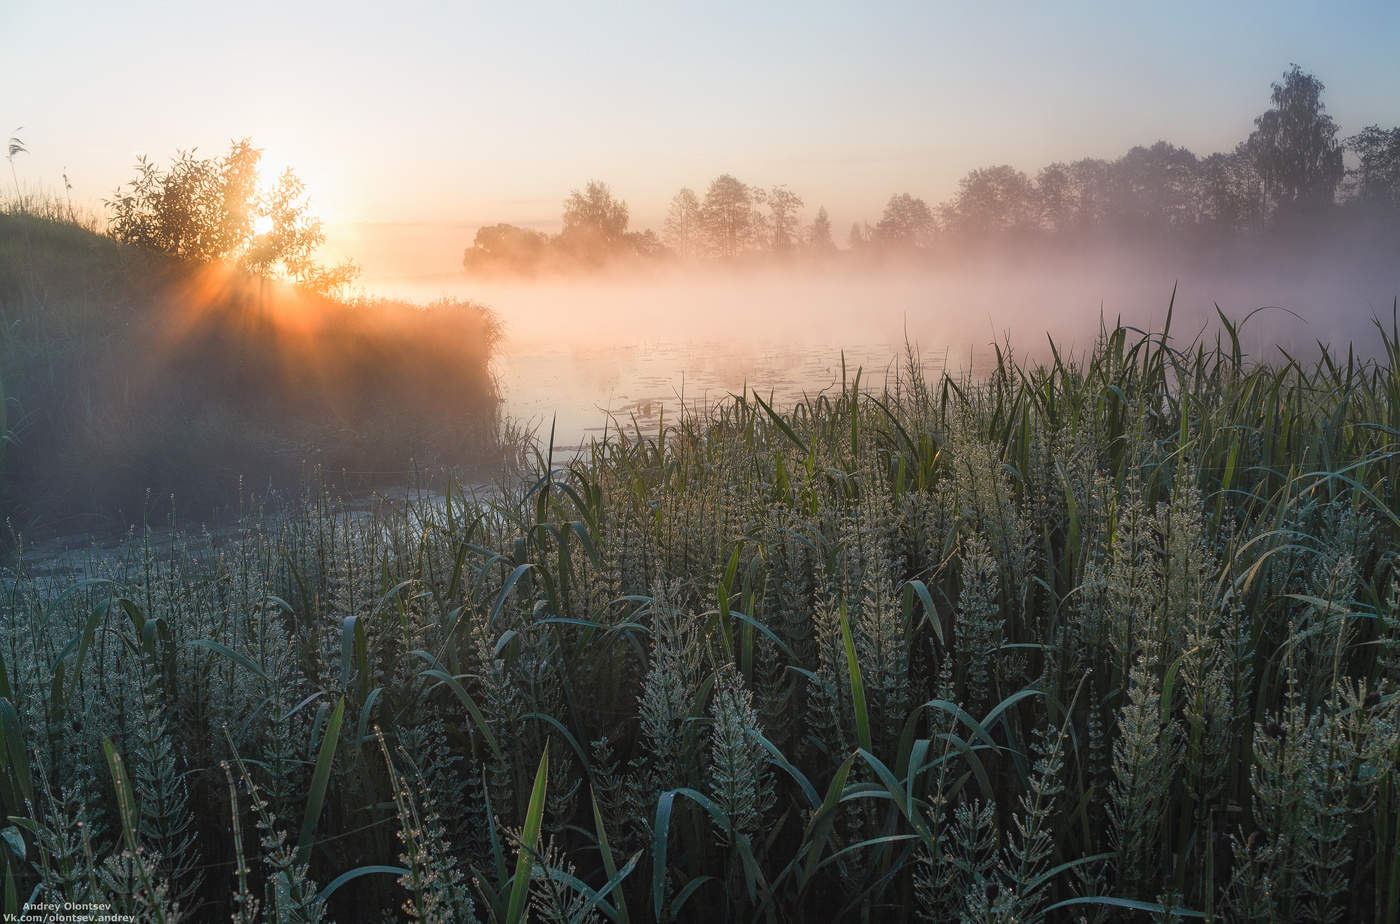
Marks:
<point>585,391</point>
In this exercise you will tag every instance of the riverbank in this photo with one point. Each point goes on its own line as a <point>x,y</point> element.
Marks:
<point>137,386</point>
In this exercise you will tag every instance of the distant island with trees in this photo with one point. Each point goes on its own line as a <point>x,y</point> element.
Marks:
<point>1290,177</point>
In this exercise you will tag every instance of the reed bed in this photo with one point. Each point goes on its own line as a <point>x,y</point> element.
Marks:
<point>1108,637</point>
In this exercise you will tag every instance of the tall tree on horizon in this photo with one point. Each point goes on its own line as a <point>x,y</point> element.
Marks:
<point>907,222</point>
<point>683,227</point>
<point>595,223</point>
<point>1157,187</point>
<point>728,216</point>
<point>819,239</point>
<point>1294,145</point>
<point>1376,178</point>
<point>1054,193</point>
<point>992,201</point>
<point>783,204</point>
<point>1089,180</point>
<point>1232,197</point>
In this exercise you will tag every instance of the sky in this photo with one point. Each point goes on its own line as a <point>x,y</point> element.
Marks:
<point>420,121</point>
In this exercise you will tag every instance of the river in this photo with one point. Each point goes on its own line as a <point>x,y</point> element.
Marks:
<point>585,354</point>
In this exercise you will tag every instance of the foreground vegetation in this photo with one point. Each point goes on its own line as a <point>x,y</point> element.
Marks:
<point>1108,637</point>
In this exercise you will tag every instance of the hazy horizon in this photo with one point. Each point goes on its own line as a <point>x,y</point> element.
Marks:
<point>584,352</point>
<point>414,126</point>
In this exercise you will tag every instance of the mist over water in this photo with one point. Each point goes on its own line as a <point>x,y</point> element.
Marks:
<point>589,352</point>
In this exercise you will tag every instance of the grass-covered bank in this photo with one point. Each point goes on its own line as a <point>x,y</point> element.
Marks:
<point>1109,635</point>
<point>130,377</point>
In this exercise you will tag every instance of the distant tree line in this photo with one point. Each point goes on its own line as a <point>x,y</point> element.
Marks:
<point>595,232</point>
<point>733,220</point>
<point>1291,174</point>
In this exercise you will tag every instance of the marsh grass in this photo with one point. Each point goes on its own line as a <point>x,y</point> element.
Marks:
<point>1108,637</point>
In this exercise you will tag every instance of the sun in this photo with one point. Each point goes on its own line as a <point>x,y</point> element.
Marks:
<point>262,225</point>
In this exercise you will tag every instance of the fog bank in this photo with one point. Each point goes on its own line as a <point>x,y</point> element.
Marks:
<point>629,343</point>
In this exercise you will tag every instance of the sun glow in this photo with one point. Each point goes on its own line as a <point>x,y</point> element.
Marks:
<point>262,225</point>
<point>270,170</point>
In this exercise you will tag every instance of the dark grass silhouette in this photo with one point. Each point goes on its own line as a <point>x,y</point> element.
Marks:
<point>131,377</point>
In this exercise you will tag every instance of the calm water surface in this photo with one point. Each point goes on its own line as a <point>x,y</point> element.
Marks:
<point>585,354</point>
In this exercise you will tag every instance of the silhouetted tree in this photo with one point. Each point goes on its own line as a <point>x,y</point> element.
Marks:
<point>200,208</point>
<point>505,248</point>
<point>1055,196</point>
<point>683,226</point>
<point>783,204</point>
<point>292,239</point>
<point>1090,184</point>
<point>208,209</point>
<point>644,244</point>
<point>1231,192</point>
<point>1294,145</point>
<point>907,223</point>
<point>991,202</point>
<point>819,234</point>
<point>760,228</point>
<point>1376,179</point>
<point>728,217</point>
<point>1157,187</point>
<point>594,223</point>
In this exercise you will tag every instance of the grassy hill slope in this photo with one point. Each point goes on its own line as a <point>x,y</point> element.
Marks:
<point>129,377</point>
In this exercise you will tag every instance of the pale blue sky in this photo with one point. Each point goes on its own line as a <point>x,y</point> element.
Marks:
<point>474,112</point>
